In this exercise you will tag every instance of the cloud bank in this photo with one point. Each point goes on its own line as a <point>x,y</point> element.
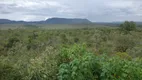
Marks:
<point>94,10</point>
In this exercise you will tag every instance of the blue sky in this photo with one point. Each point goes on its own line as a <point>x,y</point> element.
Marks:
<point>94,10</point>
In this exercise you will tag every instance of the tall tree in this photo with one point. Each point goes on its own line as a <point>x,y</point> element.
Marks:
<point>128,26</point>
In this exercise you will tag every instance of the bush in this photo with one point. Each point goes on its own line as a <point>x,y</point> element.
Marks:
<point>124,55</point>
<point>7,72</point>
<point>76,39</point>
<point>11,42</point>
<point>63,38</point>
<point>77,64</point>
<point>119,69</point>
<point>123,43</point>
<point>128,26</point>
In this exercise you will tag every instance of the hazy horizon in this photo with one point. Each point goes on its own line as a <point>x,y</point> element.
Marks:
<point>93,10</point>
<point>71,18</point>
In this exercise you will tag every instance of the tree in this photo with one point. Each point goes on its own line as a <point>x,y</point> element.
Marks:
<point>128,26</point>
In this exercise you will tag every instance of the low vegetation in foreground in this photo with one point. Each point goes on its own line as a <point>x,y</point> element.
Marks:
<point>71,54</point>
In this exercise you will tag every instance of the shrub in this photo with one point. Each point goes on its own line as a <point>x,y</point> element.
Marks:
<point>63,38</point>
<point>77,64</point>
<point>120,69</point>
<point>135,51</point>
<point>128,26</point>
<point>123,43</point>
<point>76,39</point>
<point>7,72</point>
<point>124,55</point>
<point>11,42</point>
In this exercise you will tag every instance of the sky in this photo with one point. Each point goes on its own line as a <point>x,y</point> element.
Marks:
<point>94,10</point>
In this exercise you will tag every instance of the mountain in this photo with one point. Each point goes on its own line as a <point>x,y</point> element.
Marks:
<point>67,21</point>
<point>2,21</point>
<point>6,21</point>
<point>49,21</point>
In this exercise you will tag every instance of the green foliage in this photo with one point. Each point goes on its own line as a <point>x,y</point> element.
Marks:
<point>124,55</point>
<point>76,39</point>
<point>41,54</point>
<point>7,72</point>
<point>29,65</point>
<point>119,69</point>
<point>77,64</point>
<point>11,42</point>
<point>63,38</point>
<point>123,43</point>
<point>128,26</point>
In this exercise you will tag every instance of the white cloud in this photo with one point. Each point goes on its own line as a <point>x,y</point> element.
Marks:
<point>95,10</point>
<point>120,4</point>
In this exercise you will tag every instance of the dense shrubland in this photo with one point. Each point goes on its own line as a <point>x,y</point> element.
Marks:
<point>72,54</point>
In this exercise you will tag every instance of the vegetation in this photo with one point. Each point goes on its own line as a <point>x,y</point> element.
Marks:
<point>128,26</point>
<point>70,54</point>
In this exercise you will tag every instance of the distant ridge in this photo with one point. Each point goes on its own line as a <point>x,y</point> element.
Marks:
<point>116,24</point>
<point>67,21</point>
<point>49,21</point>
